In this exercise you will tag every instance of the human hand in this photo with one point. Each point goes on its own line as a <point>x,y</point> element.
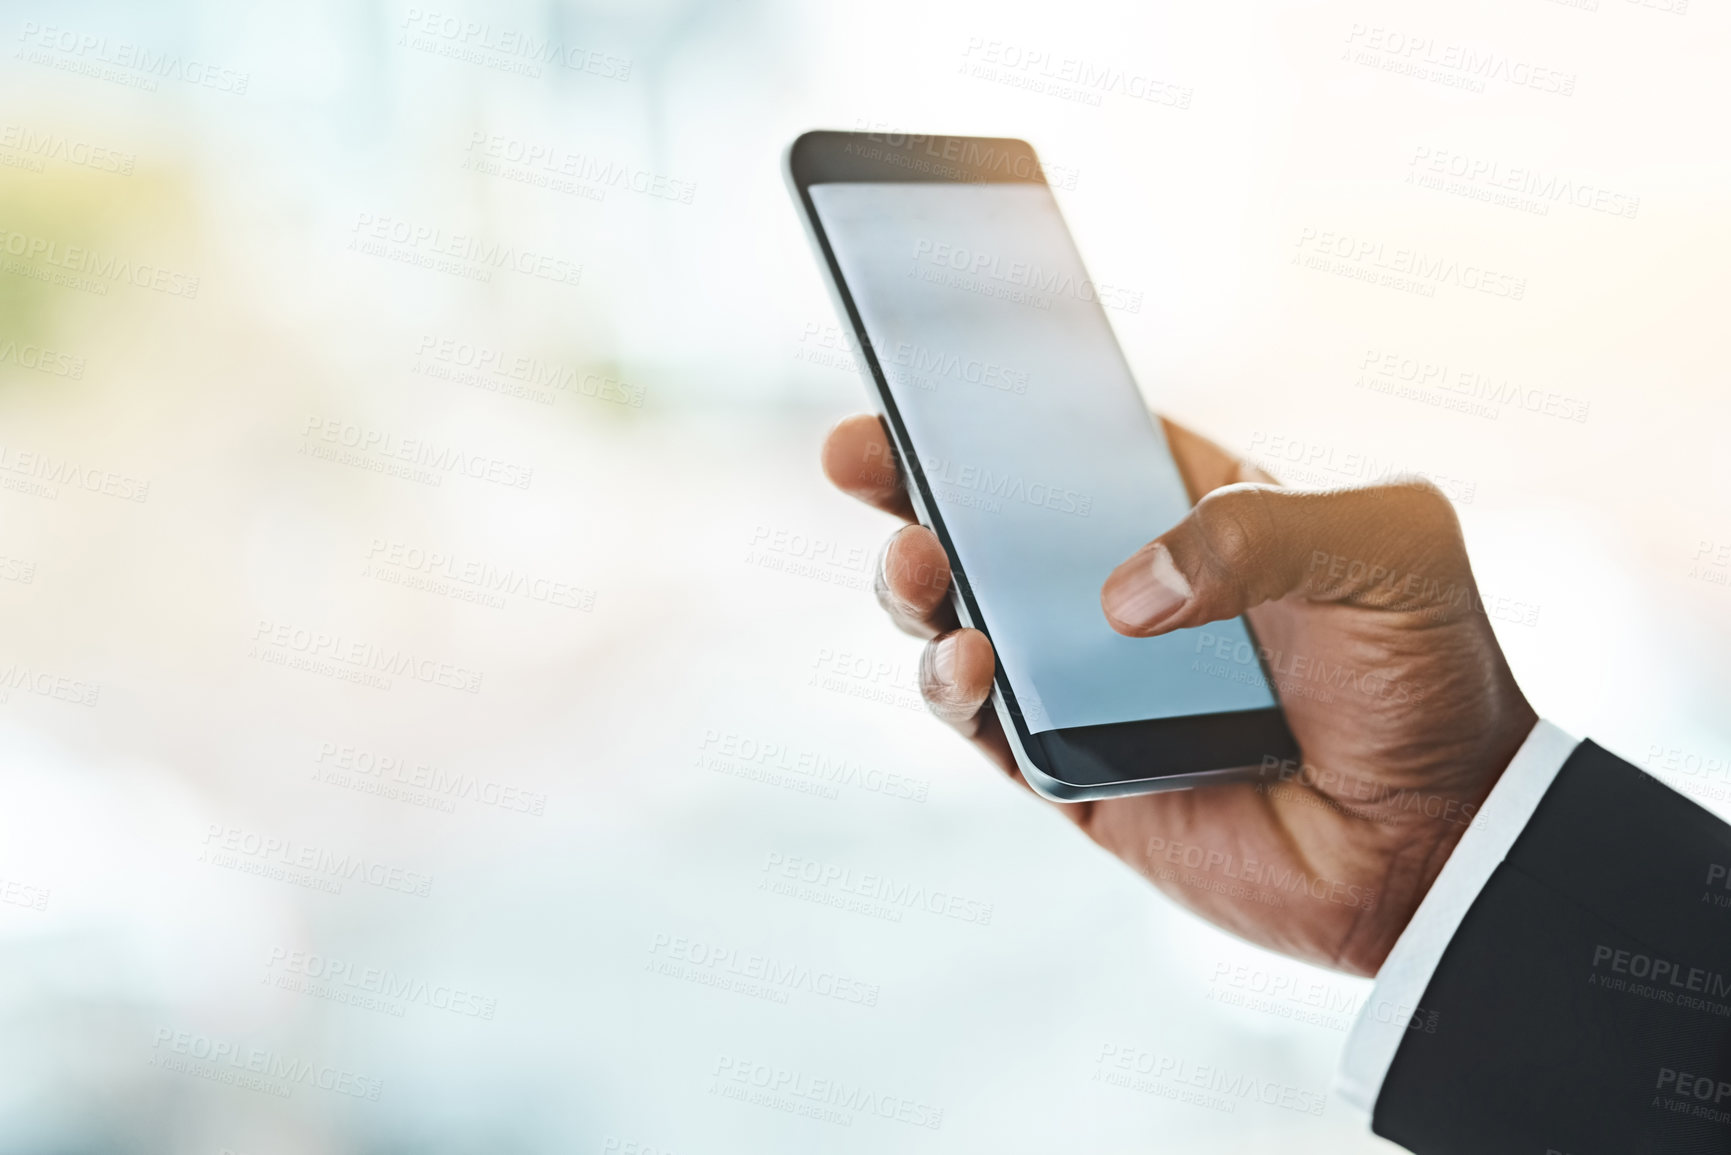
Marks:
<point>1387,669</point>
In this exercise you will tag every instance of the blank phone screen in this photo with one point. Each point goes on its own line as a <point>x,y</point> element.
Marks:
<point>1045,465</point>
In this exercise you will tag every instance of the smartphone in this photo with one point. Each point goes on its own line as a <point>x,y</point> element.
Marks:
<point>1027,448</point>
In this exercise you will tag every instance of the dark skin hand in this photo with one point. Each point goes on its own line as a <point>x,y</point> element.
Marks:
<point>1390,677</point>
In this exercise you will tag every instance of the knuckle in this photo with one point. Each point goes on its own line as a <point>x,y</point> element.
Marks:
<point>947,708</point>
<point>940,699</point>
<point>1418,501</point>
<point>1235,528</point>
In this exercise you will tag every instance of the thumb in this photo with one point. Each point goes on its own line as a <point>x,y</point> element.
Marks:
<point>1395,547</point>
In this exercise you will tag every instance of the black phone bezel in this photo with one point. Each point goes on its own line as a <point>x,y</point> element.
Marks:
<point>1081,761</point>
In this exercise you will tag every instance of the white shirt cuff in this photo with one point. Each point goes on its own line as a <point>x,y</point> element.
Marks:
<point>1401,983</point>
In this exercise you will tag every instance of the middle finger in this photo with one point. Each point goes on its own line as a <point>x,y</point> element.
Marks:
<point>913,582</point>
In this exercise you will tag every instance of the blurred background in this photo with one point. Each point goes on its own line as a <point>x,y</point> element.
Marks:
<point>442,708</point>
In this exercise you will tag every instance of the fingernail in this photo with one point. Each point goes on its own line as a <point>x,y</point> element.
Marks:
<point>944,662</point>
<point>1145,590</point>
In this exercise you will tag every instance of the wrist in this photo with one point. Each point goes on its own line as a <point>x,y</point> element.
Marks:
<point>1468,858</point>
<point>1424,833</point>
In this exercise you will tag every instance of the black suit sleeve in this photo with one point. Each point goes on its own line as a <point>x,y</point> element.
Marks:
<point>1584,1005</point>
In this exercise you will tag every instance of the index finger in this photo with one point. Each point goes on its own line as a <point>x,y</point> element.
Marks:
<point>857,458</point>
